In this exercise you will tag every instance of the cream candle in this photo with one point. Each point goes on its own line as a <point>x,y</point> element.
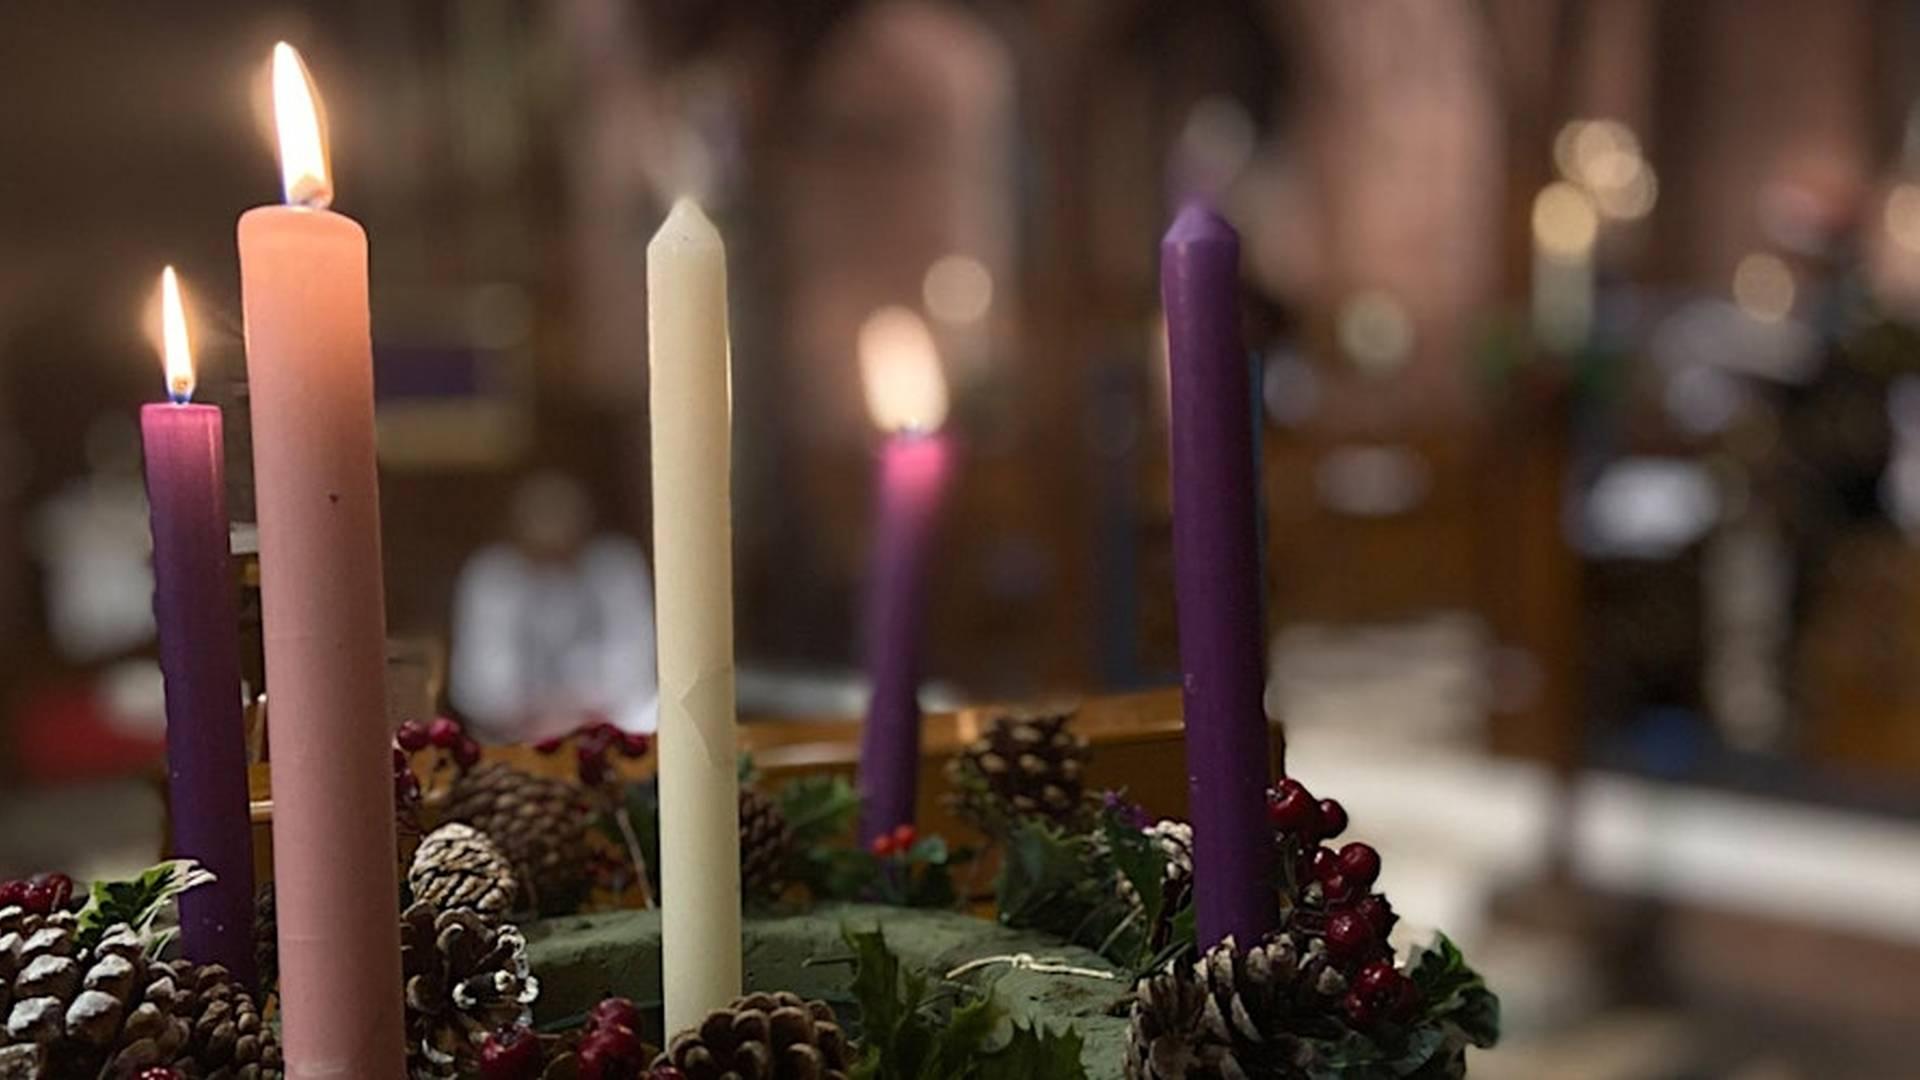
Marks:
<point>303,276</point>
<point>692,413</point>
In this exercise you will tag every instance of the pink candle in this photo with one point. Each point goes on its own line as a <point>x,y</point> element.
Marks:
<point>908,399</point>
<point>193,605</point>
<point>303,272</point>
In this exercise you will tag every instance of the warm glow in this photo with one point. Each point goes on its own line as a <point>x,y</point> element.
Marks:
<point>296,115</point>
<point>1565,222</point>
<point>173,333</point>
<point>901,368</point>
<point>958,289</point>
<point>1903,215</point>
<point>1763,287</point>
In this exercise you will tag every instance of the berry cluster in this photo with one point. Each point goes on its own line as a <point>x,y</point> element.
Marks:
<point>1331,898</point>
<point>41,894</point>
<point>895,844</point>
<point>406,786</point>
<point>594,745</point>
<point>611,1049</point>
<point>444,733</point>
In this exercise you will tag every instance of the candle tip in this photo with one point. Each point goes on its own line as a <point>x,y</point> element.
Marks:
<point>686,226</point>
<point>175,350</point>
<point>1199,223</point>
<point>303,152</point>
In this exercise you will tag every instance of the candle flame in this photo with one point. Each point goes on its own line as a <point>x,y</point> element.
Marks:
<point>901,370</point>
<point>296,115</point>
<point>173,334</point>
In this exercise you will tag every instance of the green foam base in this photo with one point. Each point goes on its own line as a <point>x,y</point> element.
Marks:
<point>581,959</point>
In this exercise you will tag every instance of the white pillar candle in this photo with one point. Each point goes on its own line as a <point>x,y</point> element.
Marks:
<point>692,411</point>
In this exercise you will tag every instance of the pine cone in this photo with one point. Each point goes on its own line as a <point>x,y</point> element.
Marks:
<point>765,842</point>
<point>464,978</point>
<point>544,827</point>
<point>266,937</point>
<point>1226,1015</point>
<point>771,1036</point>
<point>76,1013</point>
<point>1024,765</point>
<point>458,869</point>
<point>228,1041</point>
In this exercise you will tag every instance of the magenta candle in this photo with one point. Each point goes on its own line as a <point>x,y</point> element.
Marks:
<point>913,473</point>
<point>193,605</point>
<point>1217,578</point>
<point>907,396</point>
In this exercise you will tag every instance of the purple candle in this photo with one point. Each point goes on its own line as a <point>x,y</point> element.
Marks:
<point>1217,578</point>
<point>200,656</point>
<point>908,398</point>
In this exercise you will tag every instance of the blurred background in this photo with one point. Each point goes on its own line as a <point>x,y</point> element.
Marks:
<point>1590,415</point>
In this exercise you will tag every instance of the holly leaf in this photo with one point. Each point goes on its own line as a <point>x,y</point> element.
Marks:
<point>1453,993</point>
<point>1037,1053</point>
<point>819,809</point>
<point>1062,884</point>
<point>139,902</point>
<point>1137,858</point>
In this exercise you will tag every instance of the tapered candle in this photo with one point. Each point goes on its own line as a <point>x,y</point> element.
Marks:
<point>1217,578</point>
<point>303,276</point>
<point>692,416</point>
<point>194,608</point>
<point>908,399</point>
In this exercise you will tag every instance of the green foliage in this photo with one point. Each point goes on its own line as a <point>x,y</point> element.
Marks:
<point>1065,884</point>
<point>912,1036</point>
<point>819,809</point>
<point>1457,1010</point>
<point>140,902</point>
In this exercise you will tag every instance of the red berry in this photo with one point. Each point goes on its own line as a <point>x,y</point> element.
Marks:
<point>882,845</point>
<point>598,738</point>
<point>1406,998</point>
<point>1288,785</point>
<point>412,736</point>
<point>1348,935</point>
<point>445,732</point>
<point>512,1054</point>
<point>615,1012</point>
<point>1335,889</point>
<point>14,894</point>
<point>1376,978</point>
<point>1294,812</point>
<point>61,886</point>
<point>466,753</point>
<point>550,746</point>
<point>635,744</point>
<point>610,1053</point>
<point>39,899</point>
<point>1360,863</point>
<point>1378,913</point>
<point>904,836</point>
<point>1359,1009</point>
<point>1323,863</point>
<point>1333,818</point>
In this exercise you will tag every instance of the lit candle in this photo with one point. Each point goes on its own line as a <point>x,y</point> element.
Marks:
<point>193,605</point>
<point>1217,578</point>
<point>692,415</point>
<point>1566,225</point>
<point>303,276</point>
<point>908,399</point>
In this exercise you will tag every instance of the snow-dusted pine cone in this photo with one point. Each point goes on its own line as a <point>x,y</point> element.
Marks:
<point>106,1011</point>
<point>766,840</point>
<point>1023,765</point>
<point>543,826</point>
<point>1223,1017</point>
<point>464,979</point>
<point>458,869</point>
<point>769,1036</point>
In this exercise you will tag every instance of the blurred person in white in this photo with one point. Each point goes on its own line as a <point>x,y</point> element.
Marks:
<point>553,627</point>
